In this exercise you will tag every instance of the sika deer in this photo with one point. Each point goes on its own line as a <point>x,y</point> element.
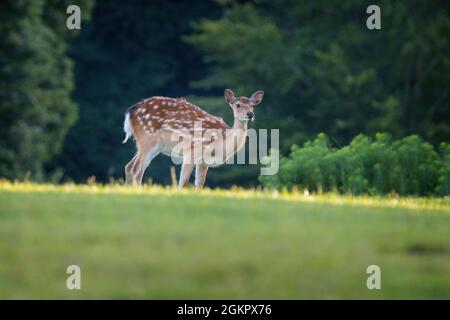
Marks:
<point>155,121</point>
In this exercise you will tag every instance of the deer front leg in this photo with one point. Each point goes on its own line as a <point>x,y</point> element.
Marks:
<point>185,174</point>
<point>200,175</point>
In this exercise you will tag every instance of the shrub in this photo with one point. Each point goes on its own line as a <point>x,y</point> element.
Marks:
<point>409,166</point>
<point>443,186</point>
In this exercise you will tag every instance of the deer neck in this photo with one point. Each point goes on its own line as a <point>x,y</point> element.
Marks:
<point>241,125</point>
<point>236,137</point>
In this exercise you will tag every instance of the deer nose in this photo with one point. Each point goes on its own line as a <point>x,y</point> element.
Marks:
<point>250,115</point>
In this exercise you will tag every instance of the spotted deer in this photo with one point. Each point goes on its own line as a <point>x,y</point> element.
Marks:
<point>155,121</point>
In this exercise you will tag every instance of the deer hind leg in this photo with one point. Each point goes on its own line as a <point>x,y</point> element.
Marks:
<point>129,171</point>
<point>200,175</point>
<point>148,148</point>
<point>145,156</point>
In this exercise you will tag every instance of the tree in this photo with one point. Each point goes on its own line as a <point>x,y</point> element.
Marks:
<point>36,109</point>
<point>323,70</point>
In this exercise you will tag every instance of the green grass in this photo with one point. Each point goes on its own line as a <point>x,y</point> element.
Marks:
<point>156,243</point>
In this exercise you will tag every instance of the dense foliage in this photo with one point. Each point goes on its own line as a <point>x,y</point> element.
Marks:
<point>409,166</point>
<point>36,108</point>
<point>324,71</point>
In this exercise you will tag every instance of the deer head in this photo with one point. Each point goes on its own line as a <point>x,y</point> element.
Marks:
<point>243,106</point>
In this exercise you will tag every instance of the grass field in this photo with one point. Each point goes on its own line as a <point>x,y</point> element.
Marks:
<point>160,243</point>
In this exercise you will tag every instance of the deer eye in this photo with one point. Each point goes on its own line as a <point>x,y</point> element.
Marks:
<point>238,105</point>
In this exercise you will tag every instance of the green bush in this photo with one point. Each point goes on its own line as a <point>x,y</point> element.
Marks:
<point>378,166</point>
<point>443,186</point>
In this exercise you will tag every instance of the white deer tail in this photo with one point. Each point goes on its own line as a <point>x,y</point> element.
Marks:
<point>127,127</point>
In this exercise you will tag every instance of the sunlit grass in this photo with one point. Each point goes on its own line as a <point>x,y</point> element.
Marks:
<point>442,203</point>
<point>156,242</point>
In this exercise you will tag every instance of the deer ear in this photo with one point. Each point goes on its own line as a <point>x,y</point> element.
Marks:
<point>257,97</point>
<point>229,96</point>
